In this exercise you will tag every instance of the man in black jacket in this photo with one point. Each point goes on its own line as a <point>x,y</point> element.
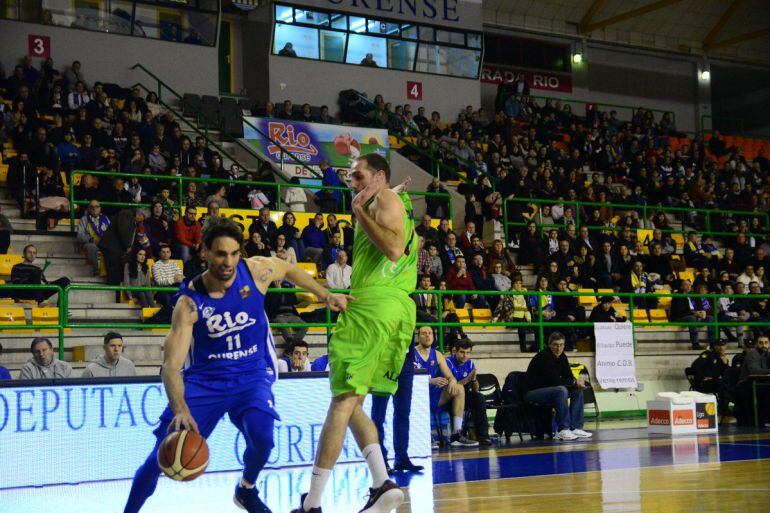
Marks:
<point>27,273</point>
<point>21,178</point>
<point>568,310</point>
<point>756,364</point>
<point>550,383</point>
<point>265,226</point>
<point>687,309</point>
<point>709,369</point>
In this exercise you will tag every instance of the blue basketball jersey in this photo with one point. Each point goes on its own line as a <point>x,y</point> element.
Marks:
<point>431,364</point>
<point>460,372</point>
<point>232,334</point>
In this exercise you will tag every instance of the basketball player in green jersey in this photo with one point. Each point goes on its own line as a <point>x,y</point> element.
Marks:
<point>369,345</point>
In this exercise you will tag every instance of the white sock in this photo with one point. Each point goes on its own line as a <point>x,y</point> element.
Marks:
<point>457,424</point>
<point>317,485</point>
<point>376,462</point>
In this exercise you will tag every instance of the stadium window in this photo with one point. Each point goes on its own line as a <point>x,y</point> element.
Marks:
<point>284,14</point>
<point>360,45</point>
<point>427,34</point>
<point>401,54</point>
<point>311,18</point>
<point>408,31</point>
<point>303,39</point>
<point>339,21</point>
<point>333,46</point>
<point>357,25</point>
<point>455,38</point>
<point>474,40</point>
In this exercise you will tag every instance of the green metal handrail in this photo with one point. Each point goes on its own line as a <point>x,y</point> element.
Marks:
<point>537,323</point>
<point>579,221</point>
<point>199,114</point>
<point>614,106</point>
<point>181,180</point>
<point>62,318</point>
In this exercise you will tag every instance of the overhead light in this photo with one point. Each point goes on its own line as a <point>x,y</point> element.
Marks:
<point>577,58</point>
<point>705,75</point>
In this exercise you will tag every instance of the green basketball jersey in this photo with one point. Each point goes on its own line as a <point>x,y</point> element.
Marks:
<point>371,268</point>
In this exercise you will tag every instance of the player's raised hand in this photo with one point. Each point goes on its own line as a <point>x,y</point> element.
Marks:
<point>403,185</point>
<point>338,302</point>
<point>183,420</point>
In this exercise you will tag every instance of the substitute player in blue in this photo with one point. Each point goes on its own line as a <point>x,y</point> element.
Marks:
<point>444,388</point>
<point>219,357</point>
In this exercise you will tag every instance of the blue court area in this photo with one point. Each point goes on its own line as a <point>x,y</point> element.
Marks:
<point>615,453</point>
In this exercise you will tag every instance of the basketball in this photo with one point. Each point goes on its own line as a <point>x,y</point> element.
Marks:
<point>183,455</point>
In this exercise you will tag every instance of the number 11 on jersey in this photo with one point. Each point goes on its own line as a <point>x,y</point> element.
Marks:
<point>234,341</point>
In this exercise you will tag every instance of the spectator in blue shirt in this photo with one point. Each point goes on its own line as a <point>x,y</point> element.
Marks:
<point>464,371</point>
<point>315,239</point>
<point>69,154</point>
<point>4,374</point>
<point>320,364</point>
<point>330,201</point>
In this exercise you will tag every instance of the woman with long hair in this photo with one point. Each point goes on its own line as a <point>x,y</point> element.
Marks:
<point>289,230</point>
<point>136,273</point>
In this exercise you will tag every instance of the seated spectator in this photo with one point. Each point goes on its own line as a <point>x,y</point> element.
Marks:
<point>604,312</point>
<point>427,309</point>
<point>21,178</point>
<point>464,371</point>
<point>294,198</point>
<point>498,253</point>
<point>687,309</point>
<point>755,363</point>
<point>197,264</point>
<point>444,388</point>
<point>482,280</point>
<point>27,273</point>
<point>212,215</point>
<point>368,60</point>
<point>747,276</point>
<point>459,278</point>
<point>52,201</point>
<point>332,227</point>
<point>117,240</point>
<point>219,195</point>
<point>476,248</point>
<point>296,359</point>
<point>530,246</point>
<point>166,273</point>
<point>739,358</point>
<point>450,252</point>
<point>639,282</point>
<point>112,364</point>
<point>709,369</point>
<point>137,274</point>
<point>424,229</point>
<point>281,308</point>
<point>549,382</point>
<point>91,228</point>
<point>331,250</point>
<point>728,311</point>
<point>606,269</point>
<point>4,373</point>
<point>292,234</point>
<point>256,247</point>
<point>281,244</point>
<point>187,234</point>
<point>437,206</point>
<point>515,308</point>
<point>314,239</point>
<point>542,304</point>
<point>466,238</point>
<point>287,51</point>
<point>568,310</point>
<point>502,280</point>
<point>338,273</point>
<point>329,200</point>
<point>43,364</point>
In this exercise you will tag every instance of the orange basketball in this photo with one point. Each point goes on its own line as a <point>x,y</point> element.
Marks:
<point>183,455</point>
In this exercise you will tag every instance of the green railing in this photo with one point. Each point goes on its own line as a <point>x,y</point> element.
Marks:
<point>679,212</point>
<point>438,168</point>
<point>161,85</point>
<point>7,291</point>
<point>538,323</point>
<point>180,185</point>
<point>621,109</point>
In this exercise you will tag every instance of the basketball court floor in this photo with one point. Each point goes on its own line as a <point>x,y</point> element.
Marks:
<point>622,470</point>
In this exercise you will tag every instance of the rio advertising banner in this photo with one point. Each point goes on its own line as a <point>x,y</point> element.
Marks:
<point>75,433</point>
<point>311,143</point>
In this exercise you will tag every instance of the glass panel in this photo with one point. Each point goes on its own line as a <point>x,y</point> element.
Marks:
<point>445,36</point>
<point>443,60</point>
<point>118,20</point>
<point>87,14</point>
<point>333,46</point>
<point>311,18</point>
<point>200,28</point>
<point>9,9</point>
<point>409,31</point>
<point>357,24</point>
<point>56,13</point>
<point>292,41</point>
<point>401,54</point>
<point>145,21</point>
<point>474,40</point>
<point>382,27</point>
<point>426,34</point>
<point>283,13</point>
<point>339,21</point>
<point>359,48</point>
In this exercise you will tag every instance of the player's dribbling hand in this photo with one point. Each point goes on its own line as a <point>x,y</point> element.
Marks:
<point>183,420</point>
<point>338,302</point>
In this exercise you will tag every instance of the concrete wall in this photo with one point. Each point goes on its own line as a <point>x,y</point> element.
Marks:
<point>109,57</point>
<point>289,80</point>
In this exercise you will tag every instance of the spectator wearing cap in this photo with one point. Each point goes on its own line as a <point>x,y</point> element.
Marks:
<point>111,364</point>
<point>739,358</point>
<point>43,364</point>
<point>709,369</point>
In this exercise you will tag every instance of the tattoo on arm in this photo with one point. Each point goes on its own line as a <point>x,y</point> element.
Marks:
<point>264,274</point>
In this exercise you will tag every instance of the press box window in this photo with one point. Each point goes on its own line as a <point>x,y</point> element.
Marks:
<point>304,40</point>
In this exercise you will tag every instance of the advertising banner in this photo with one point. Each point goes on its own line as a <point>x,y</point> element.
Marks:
<point>615,362</point>
<point>311,143</point>
<point>542,80</point>
<point>78,433</point>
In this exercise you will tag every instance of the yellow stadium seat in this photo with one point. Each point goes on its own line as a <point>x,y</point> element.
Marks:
<point>12,316</point>
<point>640,316</point>
<point>310,268</point>
<point>45,315</point>
<point>664,301</point>
<point>463,315</point>
<point>7,262</point>
<point>687,275</point>
<point>3,173</point>
<point>678,239</point>
<point>482,315</point>
<point>149,311</point>
<point>587,300</point>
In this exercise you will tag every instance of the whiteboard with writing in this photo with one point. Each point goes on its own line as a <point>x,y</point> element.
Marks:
<point>615,362</point>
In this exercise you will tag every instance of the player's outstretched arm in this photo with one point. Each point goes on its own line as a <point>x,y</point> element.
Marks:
<point>175,349</point>
<point>267,270</point>
<point>386,227</point>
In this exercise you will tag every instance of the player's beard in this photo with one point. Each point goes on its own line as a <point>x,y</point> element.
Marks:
<point>223,275</point>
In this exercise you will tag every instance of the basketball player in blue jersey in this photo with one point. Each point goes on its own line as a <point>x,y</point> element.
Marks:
<point>221,336</point>
<point>443,387</point>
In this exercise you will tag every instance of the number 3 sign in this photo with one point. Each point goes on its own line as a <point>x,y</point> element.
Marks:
<point>414,90</point>
<point>39,46</point>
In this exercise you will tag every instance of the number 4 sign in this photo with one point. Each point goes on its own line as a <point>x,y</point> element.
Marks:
<point>39,46</point>
<point>414,90</point>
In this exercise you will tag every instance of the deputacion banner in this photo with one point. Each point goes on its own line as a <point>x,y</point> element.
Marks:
<point>615,362</point>
<point>311,143</point>
<point>77,433</point>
